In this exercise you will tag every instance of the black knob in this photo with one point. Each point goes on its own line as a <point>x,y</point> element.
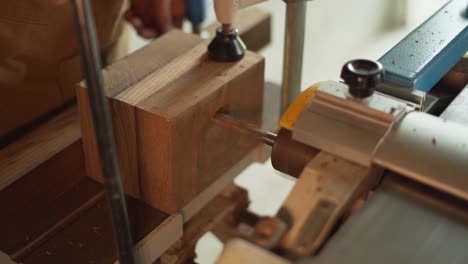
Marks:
<point>226,46</point>
<point>362,76</point>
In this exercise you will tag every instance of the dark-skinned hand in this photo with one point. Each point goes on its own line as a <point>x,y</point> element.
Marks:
<point>152,18</point>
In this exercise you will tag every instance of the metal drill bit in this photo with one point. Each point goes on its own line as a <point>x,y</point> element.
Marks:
<point>247,130</point>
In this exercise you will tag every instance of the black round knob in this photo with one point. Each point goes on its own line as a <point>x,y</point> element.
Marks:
<point>362,76</point>
<point>226,46</point>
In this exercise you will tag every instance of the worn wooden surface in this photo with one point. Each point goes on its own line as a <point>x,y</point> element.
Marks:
<point>47,223</point>
<point>168,148</point>
<point>35,203</point>
<point>89,238</point>
<point>36,147</point>
<point>227,204</point>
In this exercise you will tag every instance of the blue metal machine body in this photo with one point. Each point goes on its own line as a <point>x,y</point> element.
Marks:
<point>423,57</point>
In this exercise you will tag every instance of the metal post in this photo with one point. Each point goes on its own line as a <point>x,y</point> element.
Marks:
<point>293,51</point>
<point>91,65</point>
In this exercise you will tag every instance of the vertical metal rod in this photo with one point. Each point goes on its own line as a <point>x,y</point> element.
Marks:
<point>91,65</point>
<point>293,51</point>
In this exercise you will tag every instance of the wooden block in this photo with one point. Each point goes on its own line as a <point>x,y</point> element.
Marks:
<point>123,121</point>
<point>89,238</point>
<point>181,151</point>
<point>178,150</point>
<point>153,245</point>
<point>118,77</point>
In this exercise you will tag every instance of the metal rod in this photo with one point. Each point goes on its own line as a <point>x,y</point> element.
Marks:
<point>293,51</point>
<point>91,65</point>
<point>248,130</point>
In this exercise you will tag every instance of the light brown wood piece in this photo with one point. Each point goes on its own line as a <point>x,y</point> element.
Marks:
<point>168,143</point>
<point>241,251</point>
<point>181,150</point>
<point>36,147</point>
<point>118,77</point>
<point>123,124</point>
<point>153,245</point>
<point>194,206</point>
<point>225,205</point>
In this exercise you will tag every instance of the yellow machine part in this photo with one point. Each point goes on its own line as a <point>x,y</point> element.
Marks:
<point>295,109</point>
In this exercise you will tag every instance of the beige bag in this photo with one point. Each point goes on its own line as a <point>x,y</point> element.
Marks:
<point>39,59</point>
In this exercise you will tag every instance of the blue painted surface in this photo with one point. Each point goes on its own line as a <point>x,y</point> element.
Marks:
<point>423,57</point>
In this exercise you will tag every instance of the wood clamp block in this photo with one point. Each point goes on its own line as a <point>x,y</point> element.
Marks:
<point>169,149</point>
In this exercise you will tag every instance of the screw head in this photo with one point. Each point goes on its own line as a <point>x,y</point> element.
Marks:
<point>266,227</point>
<point>362,76</point>
<point>226,46</point>
<point>269,231</point>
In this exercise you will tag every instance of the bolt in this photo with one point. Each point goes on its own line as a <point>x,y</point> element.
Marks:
<point>362,76</point>
<point>269,231</point>
<point>226,46</point>
<point>266,227</point>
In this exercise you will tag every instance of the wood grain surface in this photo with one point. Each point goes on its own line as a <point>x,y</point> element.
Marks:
<point>181,150</point>
<point>35,203</point>
<point>36,147</point>
<point>119,77</point>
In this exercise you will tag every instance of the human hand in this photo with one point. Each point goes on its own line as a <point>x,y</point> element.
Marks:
<point>152,18</point>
